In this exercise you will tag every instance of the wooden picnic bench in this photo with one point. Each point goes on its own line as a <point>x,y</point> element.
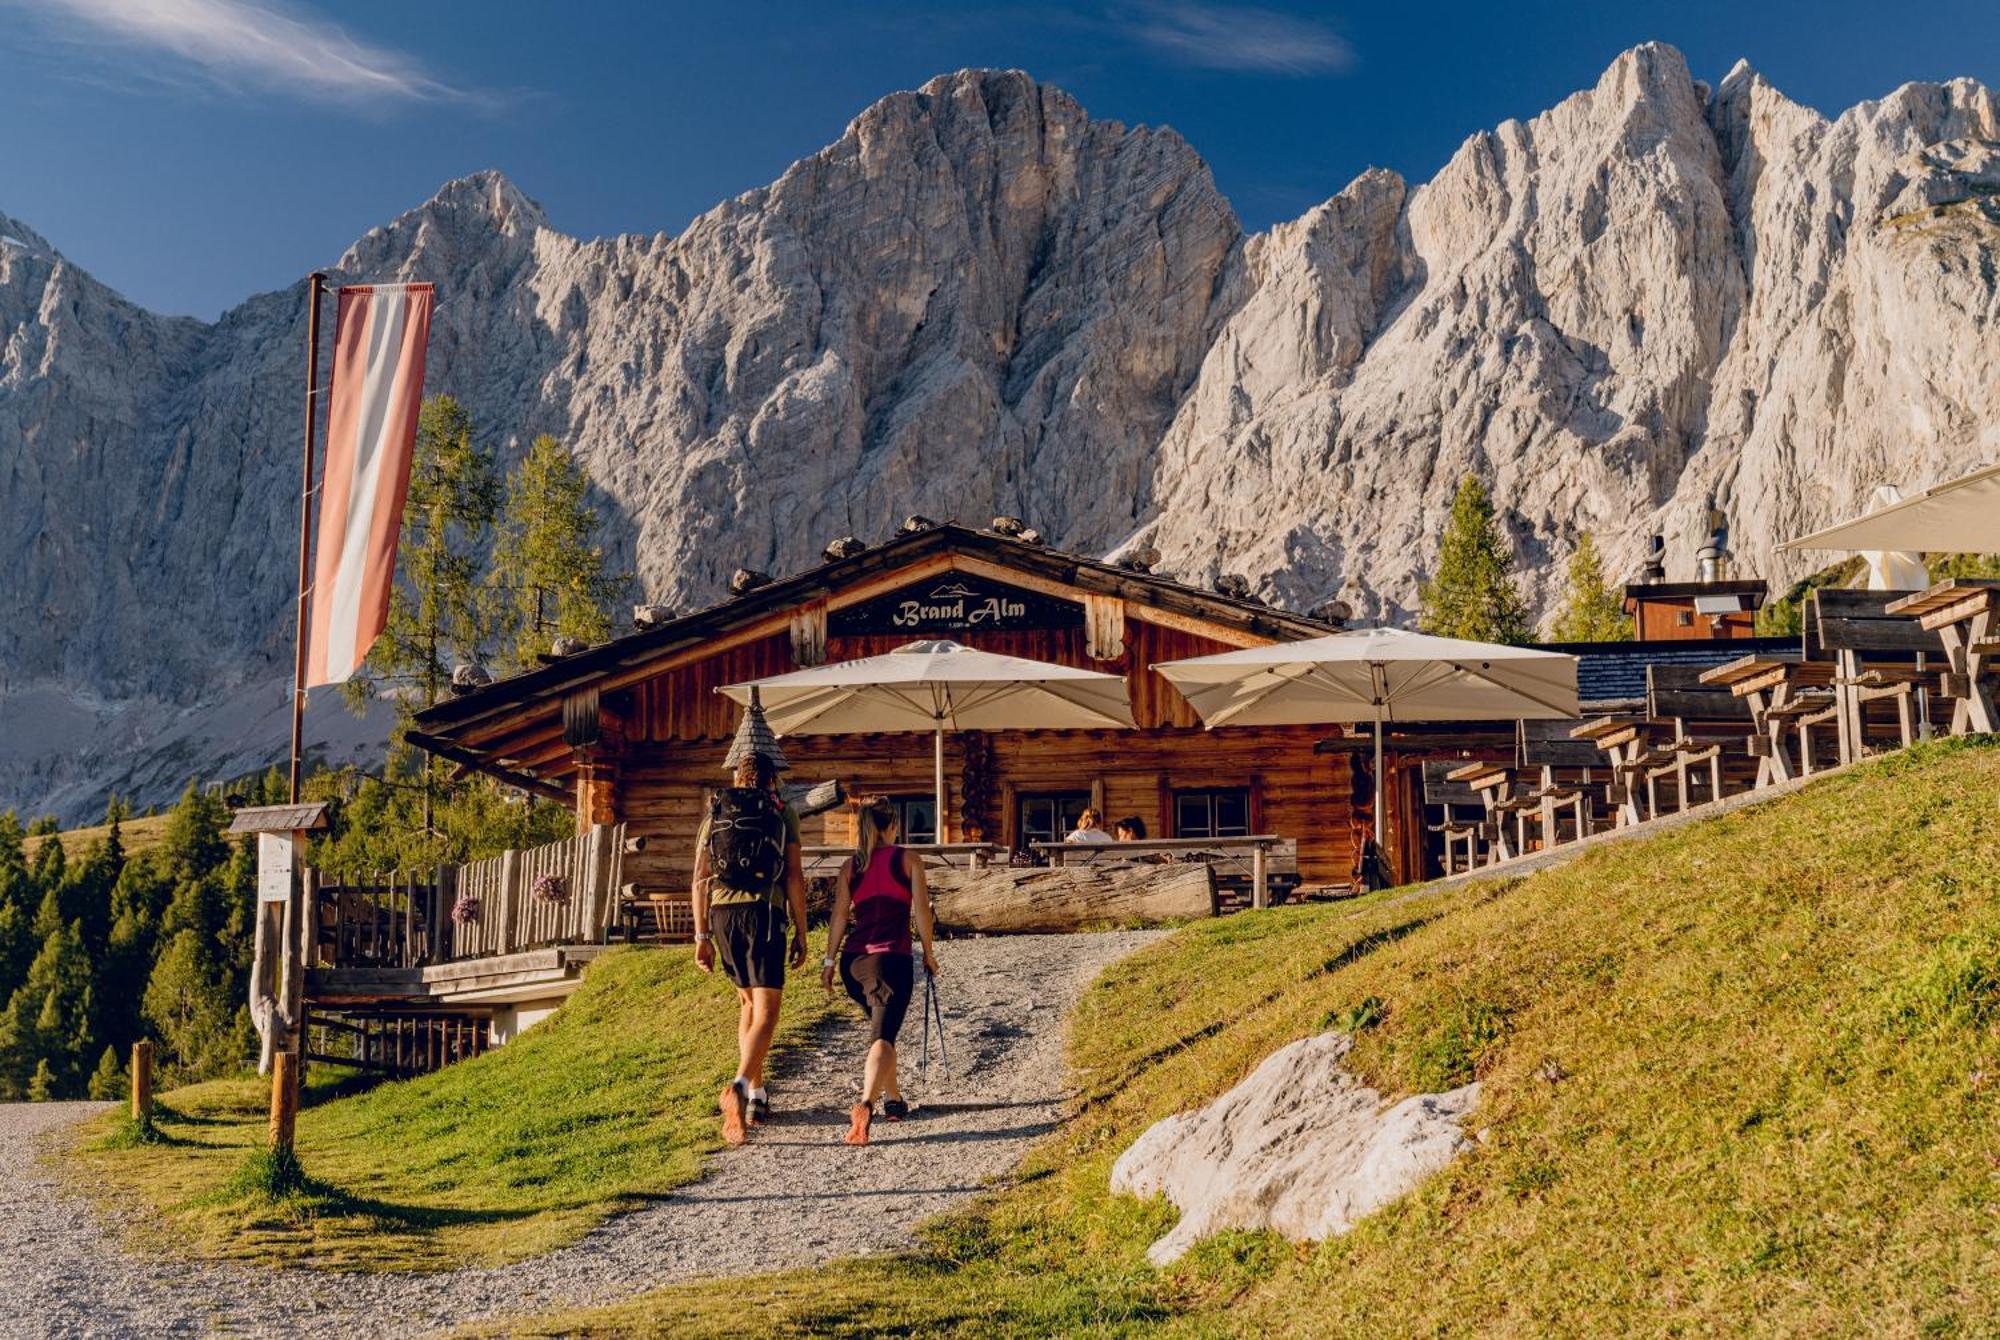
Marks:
<point>1785,694</point>
<point>1963,614</point>
<point>1711,730</point>
<point>1264,850</point>
<point>1558,776</point>
<point>1505,829</point>
<point>1880,656</point>
<point>1634,745</point>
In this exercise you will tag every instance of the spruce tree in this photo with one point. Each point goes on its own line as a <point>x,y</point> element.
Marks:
<point>548,564</point>
<point>42,1087</point>
<point>1592,610</point>
<point>1472,594</point>
<point>109,1082</point>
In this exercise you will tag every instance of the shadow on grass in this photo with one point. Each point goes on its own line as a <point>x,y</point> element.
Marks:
<point>1369,943</point>
<point>275,1177</point>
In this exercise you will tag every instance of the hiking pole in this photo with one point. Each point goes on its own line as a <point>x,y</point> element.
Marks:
<point>932,1007</point>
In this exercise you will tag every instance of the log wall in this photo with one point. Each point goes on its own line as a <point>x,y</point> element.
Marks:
<point>672,755</point>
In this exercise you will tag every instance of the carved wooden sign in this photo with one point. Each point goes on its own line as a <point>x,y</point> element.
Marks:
<point>954,602</point>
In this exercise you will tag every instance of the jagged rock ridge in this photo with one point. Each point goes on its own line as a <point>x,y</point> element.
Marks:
<point>979,300</point>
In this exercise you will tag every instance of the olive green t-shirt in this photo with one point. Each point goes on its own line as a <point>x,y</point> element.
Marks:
<point>720,895</point>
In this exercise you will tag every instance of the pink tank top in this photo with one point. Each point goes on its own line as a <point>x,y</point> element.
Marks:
<point>879,903</point>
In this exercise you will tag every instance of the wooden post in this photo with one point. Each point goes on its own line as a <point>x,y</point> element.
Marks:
<point>284,1099</point>
<point>509,896</point>
<point>142,1080</point>
<point>1260,884</point>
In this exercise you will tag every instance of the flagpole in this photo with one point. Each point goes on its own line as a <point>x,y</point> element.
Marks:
<point>315,289</point>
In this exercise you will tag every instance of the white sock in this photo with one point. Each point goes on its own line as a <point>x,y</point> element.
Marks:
<point>758,1094</point>
<point>741,1084</point>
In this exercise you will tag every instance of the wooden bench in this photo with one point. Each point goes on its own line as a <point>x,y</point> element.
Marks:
<point>1505,830</point>
<point>1564,777</point>
<point>1633,744</point>
<point>1261,851</point>
<point>1880,655</point>
<point>1711,731</point>
<point>1462,814</point>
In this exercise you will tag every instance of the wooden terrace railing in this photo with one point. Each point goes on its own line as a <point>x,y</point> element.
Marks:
<point>560,893</point>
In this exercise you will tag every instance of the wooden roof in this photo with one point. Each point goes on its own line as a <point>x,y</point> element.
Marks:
<point>631,652</point>
<point>307,818</point>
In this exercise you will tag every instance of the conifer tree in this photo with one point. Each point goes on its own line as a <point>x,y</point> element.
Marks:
<point>1472,594</point>
<point>109,1082</point>
<point>1592,610</point>
<point>434,607</point>
<point>548,564</point>
<point>42,1087</point>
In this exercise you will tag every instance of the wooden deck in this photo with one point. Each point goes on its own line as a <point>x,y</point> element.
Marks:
<point>528,975</point>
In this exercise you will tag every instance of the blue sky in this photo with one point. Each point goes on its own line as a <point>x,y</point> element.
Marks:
<point>191,152</point>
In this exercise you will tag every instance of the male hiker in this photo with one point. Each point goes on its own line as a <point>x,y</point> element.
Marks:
<point>748,884</point>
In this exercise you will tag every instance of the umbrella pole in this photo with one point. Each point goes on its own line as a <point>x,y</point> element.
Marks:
<point>937,812</point>
<point>1379,816</point>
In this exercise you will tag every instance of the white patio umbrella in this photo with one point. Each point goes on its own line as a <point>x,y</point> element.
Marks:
<point>938,686</point>
<point>1378,675</point>
<point>1959,517</point>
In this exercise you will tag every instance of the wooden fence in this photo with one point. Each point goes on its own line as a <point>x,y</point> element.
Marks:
<point>561,893</point>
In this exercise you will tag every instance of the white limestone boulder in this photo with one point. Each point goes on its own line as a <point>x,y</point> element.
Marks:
<point>1301,1147</point>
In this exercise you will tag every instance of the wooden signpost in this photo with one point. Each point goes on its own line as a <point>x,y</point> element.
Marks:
<point>284,935</point>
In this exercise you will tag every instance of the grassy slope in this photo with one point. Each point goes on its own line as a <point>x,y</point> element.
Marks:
<point>607,1102</point>
<point>1741,1078</point>
<point>140,834</point>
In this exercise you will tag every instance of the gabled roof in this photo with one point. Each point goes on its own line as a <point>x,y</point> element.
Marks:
<point>1087,574</point>
<point>310,817</point>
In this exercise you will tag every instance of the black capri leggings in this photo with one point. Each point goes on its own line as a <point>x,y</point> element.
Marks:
<point>880,984</point>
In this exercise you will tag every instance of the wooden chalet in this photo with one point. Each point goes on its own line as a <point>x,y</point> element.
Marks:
<point>633,732</point>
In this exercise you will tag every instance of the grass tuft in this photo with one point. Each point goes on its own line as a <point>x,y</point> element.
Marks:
<point>273,1174</point>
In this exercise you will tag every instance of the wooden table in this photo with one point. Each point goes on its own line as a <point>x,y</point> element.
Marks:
<point>1962,613</point>
<point>1257,844</point>
<point>1494,785</point>
<point>826,861</point>
<point>1633,745</point>
<point>1782,691</point>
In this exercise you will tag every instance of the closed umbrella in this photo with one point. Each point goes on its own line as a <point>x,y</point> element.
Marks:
<point>1377,675</point>
<point>1959,517</point>
<point>938,686</point>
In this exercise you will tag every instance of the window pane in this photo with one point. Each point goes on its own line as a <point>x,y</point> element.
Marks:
<point>919,824</point>
<point>1191,816</point>
<point>1232,813</point>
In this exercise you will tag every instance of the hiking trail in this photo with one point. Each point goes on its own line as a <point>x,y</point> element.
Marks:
<point>811,1198</point>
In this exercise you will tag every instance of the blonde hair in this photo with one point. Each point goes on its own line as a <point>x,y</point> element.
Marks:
<point>878,827</point>
<point>1089,819</point>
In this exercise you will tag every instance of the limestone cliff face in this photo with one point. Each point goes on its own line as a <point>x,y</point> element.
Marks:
<point>979,300</point>
<point>1647,299</point>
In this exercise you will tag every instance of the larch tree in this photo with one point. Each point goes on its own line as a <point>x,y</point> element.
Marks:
<point>434,605</point>
<point>1472,594</point>
<point>548,574</point>
<point>1593,610</point>
<point>434,611</point>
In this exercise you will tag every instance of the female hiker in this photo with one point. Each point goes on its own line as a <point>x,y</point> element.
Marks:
<point>873,897</point>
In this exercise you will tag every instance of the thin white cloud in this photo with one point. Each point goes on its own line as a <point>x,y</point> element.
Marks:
<point>1221,37</point>
<point>262,44</point>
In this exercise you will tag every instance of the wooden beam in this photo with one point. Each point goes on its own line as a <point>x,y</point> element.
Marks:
<point>453,753</point>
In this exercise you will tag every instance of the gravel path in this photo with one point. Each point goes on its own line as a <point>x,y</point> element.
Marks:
<point>1006,1001</point>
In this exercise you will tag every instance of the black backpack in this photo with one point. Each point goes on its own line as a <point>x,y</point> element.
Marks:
<point>746,839</point>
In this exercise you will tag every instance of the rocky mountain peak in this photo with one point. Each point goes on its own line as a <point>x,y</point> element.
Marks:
<point>977,301</point>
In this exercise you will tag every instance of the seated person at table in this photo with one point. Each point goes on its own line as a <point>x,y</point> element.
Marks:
<point>1089,828</point>
<point>1129,830</point>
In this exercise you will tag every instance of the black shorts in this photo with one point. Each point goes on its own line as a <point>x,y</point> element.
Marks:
<point>881,985</point>
<point>750,942</point>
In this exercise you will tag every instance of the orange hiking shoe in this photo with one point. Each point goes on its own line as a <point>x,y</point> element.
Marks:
<point>730,1100</point>
<point>858,1118</point>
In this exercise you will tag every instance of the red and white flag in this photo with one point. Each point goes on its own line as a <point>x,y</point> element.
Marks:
<point>371,430</point>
